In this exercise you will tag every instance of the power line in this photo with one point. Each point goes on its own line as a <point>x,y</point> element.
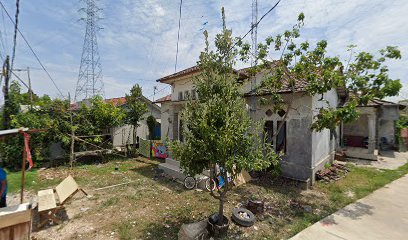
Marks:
<point>253,26</point>
<point>257,23</point>
<point>19,79</point>
<point>178,36</point>
<point>13,55</point>
<point>32,50</point>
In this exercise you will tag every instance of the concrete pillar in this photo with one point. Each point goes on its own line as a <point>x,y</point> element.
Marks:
<point>371,133</point>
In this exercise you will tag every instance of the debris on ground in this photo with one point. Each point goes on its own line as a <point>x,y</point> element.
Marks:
<point>333,173</point>
<point>255,206</point>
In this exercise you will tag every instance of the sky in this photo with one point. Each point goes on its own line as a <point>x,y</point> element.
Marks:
<point>137,42</point>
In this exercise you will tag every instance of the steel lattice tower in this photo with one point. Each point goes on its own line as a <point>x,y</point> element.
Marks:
<point>90,71</point>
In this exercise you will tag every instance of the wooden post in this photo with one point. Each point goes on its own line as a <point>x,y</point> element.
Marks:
<point>23,175</point>
<point>71,155</point>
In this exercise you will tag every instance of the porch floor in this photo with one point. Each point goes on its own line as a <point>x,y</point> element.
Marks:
<point>361,153</point>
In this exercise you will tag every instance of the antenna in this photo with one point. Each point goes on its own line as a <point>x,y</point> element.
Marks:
<point>254,55</point>
<point>90,82</point>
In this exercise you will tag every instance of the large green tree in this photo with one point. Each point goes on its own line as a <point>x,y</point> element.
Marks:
<point>218,130</point>
<point>363,76</point>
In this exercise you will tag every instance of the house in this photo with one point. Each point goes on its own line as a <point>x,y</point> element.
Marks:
<point>306,151</point>
<point>374,131</point>
<point>123,135</point>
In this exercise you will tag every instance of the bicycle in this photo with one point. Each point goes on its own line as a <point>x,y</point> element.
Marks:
<point>191,183</point>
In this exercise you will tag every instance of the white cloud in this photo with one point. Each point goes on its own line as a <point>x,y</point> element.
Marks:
<point>138,42</point>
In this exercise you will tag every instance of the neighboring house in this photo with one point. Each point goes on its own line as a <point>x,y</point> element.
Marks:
<point>373,131</point>
<point>123,135</point>
<point>305,151</point>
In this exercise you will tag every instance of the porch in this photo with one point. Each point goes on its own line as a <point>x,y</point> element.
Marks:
<point>372,133</point>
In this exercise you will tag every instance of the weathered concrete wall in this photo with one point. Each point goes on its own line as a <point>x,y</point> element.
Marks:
<point>387,115</point>
<point>386,128</point>
<point>296,163</point>
<point>324,143</point>
<point>358,127</point>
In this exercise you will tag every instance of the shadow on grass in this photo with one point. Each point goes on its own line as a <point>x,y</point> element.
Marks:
<point>150,171</point>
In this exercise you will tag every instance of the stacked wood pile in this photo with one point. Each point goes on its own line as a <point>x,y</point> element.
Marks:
<point>333,173</point>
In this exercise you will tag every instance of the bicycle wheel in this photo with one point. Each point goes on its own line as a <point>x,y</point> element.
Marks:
<point>210,184</point>
<point>189,182</point>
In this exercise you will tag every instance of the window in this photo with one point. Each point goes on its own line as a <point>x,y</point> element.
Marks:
<point>186,95</point>
<point>268,132</point>
<point>180,96</point>
<point>193,94</point>
<point>281,138</point>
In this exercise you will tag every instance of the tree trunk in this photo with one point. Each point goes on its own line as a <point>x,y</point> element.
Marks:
<point>221,211</point>
<point>134,136</point>
<point>222,199</point>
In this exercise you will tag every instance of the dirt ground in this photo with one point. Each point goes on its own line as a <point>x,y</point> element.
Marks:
<point>151,206</point>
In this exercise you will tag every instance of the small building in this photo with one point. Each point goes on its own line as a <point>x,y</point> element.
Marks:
<point>374,131</point>
<point>123,135</point>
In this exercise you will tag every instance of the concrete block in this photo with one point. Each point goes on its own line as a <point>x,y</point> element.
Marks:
<point>194,231</point>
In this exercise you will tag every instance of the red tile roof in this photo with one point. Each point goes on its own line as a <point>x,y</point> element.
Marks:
<point>120,101</point>
<point>192,70</point>
<point>163,99</point>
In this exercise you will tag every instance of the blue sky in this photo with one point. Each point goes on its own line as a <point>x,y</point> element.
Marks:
<point>138,40</point>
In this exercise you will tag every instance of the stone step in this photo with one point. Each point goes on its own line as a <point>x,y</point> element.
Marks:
<point>172,170</point>
<point>172,162</point>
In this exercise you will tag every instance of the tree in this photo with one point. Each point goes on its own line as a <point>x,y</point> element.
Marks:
<point>12,105</point>
<point>219,131</point>
<point>54,116</point>
<point>364,76</point>
<point>135,108</point>
<point>151,124</point>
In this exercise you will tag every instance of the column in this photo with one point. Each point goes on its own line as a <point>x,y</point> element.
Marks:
<point>371,133</point>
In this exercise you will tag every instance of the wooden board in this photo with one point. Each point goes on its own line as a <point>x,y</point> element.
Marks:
<point>66,189</point>
<point>46,200</point>
<point>15,218</point>
<point>20,231</point>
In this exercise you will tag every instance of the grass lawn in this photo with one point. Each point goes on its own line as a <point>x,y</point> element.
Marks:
<point>155,208</point>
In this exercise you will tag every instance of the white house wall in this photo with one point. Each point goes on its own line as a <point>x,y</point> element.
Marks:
<point>296,163</point>
<point>165,121</point>
<point>124,134</point>
<point>323,144</point>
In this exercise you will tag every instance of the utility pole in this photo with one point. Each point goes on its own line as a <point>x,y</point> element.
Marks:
<point>29,88</point>
<point>6,74</point>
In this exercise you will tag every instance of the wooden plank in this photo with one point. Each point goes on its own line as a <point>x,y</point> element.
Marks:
<point>21,231</point>
<point>5,233</point>
<point>15,218</point>
<point>66,189</point>
<point>46,200</point>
